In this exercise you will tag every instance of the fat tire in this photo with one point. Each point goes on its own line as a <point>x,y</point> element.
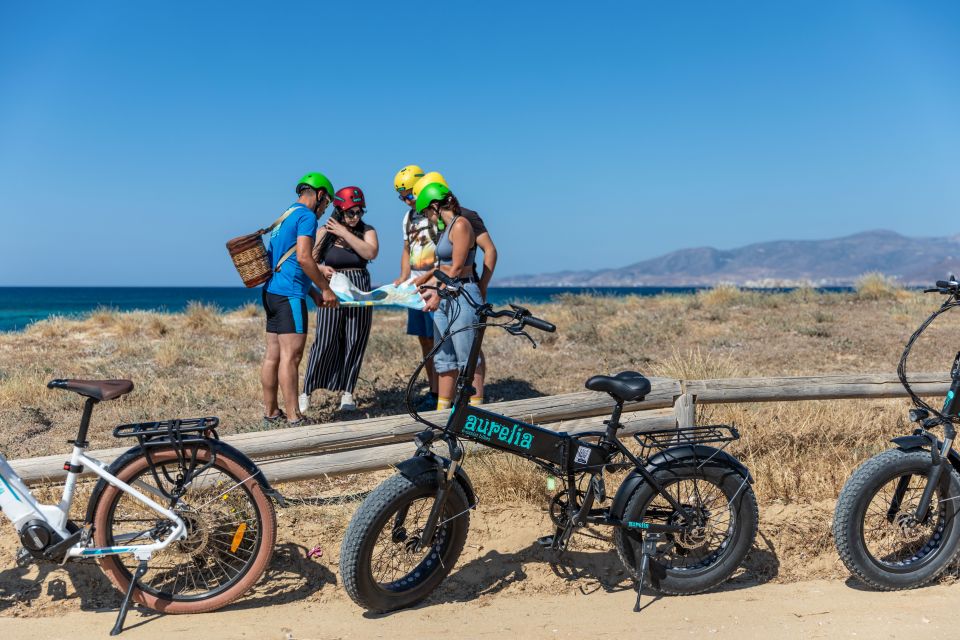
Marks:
<point>855,497</point>
<point>365,527</point>
<point>120,576</point>
<point>746,514</point>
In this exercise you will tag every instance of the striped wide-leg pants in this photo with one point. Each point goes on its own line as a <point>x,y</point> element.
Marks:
<point>340,340</point>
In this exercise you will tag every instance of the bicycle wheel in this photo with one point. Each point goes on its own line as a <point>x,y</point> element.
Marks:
<point>875,528</point>
<point>231,531</point>
<point>380,565</point>
<point>709,554</point>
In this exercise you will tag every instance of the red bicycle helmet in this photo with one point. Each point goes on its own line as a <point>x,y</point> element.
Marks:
<point>348,198</point>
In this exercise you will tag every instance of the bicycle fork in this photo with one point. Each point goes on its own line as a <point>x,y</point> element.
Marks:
<point>940,459</point>
<point>445,480</point>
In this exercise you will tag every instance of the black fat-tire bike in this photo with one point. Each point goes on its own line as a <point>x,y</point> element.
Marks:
<point>895,525</point>
<point>685,515</point>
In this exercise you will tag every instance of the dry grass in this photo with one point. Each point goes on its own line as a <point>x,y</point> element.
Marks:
<point>876,286</point>
<point>205,362</point>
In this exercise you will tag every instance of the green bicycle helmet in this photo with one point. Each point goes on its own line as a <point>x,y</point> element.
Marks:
<point>430,194</point>
<point>316,180</point>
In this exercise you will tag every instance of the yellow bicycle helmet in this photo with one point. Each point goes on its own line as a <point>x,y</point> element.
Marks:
<point>407,177</point>
<point>428,178</point>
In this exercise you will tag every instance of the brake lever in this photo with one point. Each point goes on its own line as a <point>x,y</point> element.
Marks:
<point>518,331</point>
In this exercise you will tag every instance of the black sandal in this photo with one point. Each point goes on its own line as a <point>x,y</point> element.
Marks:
<point>272,422</point>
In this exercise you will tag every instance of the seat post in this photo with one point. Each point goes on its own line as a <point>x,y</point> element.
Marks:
<point>81,440</point>
<point>614,422</point>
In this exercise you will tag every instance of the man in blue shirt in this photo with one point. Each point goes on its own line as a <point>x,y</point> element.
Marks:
<point>284,296</point>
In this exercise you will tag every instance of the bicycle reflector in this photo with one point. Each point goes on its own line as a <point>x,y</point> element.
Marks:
<point>238,537</point>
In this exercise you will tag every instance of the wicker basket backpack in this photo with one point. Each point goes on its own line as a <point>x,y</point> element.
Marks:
<point>249,255</point>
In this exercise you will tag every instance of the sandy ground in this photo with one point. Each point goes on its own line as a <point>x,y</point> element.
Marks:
<point>818,609</point>
<point>503,583</point>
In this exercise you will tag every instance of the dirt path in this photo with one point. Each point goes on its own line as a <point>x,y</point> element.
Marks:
<point>503,585</point>
<point>820,609</point>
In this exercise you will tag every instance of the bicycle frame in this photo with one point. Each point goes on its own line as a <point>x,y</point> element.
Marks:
<point>485,427</point>
<point>20,506</point>
<point>941,452</point>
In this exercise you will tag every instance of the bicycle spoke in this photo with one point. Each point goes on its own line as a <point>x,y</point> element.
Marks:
<point>209,558</point>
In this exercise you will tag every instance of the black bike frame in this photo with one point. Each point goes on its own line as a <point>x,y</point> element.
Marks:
<point>602,453</point>
<point>921,415</point>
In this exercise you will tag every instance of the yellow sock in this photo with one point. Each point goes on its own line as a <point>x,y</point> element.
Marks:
<point>475,400</point>
<point>443,403</point>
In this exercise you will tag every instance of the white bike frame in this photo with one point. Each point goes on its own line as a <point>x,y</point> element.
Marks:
<point>20,507</point>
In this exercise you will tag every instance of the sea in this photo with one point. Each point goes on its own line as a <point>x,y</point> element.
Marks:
<point>21,306</point>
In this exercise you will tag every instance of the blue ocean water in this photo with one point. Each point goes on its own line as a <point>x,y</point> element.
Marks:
<point>19,306</point>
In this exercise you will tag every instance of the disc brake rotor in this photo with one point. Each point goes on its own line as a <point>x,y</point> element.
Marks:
<point>693,537</point>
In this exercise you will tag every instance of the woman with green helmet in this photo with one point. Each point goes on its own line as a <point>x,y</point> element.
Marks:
<point>456,251</point>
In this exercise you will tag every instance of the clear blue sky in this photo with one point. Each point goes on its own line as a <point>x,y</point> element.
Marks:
<point>136,138</point>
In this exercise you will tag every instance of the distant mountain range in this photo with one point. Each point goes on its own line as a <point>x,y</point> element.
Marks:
<point>836,262</point>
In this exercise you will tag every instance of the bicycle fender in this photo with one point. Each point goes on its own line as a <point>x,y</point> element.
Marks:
<point>418,465</point>
<point>919,442</point>
<point>673,456</point>
<point>218,447</point>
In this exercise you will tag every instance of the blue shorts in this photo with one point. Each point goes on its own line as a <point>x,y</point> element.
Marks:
<point>284,314</point>
<point>419,323</point>
<point>453,315</point>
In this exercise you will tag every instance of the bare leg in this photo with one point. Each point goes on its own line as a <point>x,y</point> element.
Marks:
<point>446,383</point>
<point>291,352</point>
<point>268,375</point>
<point>426,344</point>
<point>480,374</point>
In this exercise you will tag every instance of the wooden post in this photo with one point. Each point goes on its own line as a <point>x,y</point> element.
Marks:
<point>685,410</point>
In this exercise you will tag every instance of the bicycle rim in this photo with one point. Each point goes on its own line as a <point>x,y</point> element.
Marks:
<point>223,540</point>
<point>707,544</point>
<point>892,537</point>
<point>396,564</point>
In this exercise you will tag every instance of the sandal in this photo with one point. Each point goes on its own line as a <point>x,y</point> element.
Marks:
<point>272,422</point>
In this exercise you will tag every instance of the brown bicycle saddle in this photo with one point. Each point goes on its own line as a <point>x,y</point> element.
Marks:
<point>99,390</point>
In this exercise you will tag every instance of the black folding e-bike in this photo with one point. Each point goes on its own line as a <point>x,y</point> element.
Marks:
<point>685,514</point>
<point>895,524</point>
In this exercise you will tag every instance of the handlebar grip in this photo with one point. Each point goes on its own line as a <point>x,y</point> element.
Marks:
<point>537,323</point>
<point>444,278</point>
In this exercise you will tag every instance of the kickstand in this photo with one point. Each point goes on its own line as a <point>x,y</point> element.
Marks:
<point>557,542</point>
<point>125,605</point>
<point>644,555</point>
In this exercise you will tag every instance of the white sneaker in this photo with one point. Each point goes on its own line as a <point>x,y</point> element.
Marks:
<point>304,402</point>
<point>347,403</point>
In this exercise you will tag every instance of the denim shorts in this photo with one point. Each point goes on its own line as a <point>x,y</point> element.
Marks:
<point>419,323</point>
<point>455,314</point>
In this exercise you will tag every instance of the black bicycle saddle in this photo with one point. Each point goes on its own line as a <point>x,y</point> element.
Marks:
<point>626,386</point>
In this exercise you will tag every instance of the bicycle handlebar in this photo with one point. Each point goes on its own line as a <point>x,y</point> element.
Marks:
<point>946,287</point>
<point>537,323</point>
<point>520,314</point>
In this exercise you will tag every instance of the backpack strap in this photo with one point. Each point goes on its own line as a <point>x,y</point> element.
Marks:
<point>278,221</point>
<point>292,250</point>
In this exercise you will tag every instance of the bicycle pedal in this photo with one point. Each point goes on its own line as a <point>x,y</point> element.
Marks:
<point>546,541</point>
<point>24,558</point>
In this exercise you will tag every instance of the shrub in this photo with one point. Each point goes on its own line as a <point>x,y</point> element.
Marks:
<point>722,295</point>
<point>200,316</point>
<point>876,286</point>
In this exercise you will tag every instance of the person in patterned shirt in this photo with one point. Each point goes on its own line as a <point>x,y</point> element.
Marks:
<point>417,259</point>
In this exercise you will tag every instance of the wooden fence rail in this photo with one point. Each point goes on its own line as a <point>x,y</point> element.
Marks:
<point>314,451</point>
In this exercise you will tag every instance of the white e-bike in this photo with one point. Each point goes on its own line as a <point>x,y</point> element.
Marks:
<point>181,522</point>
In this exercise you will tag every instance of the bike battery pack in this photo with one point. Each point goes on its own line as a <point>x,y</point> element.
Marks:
<point>501,432</point>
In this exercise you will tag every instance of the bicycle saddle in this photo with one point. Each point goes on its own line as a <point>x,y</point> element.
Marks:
<point>97,389</point>
<point>626,386</point>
